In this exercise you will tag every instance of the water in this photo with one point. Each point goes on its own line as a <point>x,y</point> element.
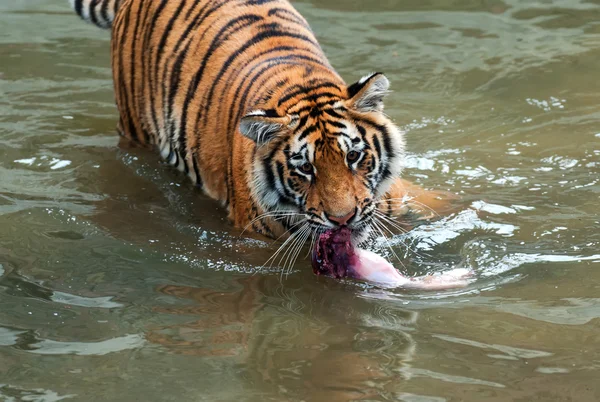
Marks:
<point>119,282</point>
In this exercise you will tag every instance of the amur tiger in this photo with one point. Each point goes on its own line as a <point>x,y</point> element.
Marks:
<point>239,95</point>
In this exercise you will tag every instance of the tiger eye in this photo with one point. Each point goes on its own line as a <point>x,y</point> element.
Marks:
<point>352,156</point>
<point>306,168</point>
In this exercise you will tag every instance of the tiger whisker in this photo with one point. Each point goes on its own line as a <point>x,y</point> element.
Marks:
<point>407,247</point>
<point>376,226</point>
<point>298,249</point>
<point>407,201</point>
<point>426,207</point>
<point>396,199</point>
<point>288,255</point>
<point>390,221</point>
<point>314,236</point>
<point>283,261</point>
<point>274,255</point>
<point>289,230</point>
<point>284,243</point>
<point>276,215</point>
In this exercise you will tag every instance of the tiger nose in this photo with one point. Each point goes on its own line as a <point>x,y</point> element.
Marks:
<point>341,220</point>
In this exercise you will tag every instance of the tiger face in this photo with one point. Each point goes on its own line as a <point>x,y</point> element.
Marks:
<point>331,162</point>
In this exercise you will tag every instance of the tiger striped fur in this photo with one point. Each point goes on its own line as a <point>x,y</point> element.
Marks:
<point>239,95</point>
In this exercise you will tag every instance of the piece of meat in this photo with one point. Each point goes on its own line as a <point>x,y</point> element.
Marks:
<point>335,256</point>
<point>333,253</point>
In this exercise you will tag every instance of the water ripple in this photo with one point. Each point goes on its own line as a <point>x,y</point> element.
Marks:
<point>50,347</point>
<point>412,372</point>
<point>9,392</point>
<point>510,351</point>
<point>74,300</point>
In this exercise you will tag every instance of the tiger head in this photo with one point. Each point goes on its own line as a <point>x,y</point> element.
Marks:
<point>328,157</point>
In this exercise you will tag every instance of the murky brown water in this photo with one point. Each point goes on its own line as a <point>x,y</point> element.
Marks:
<point>118,282</point>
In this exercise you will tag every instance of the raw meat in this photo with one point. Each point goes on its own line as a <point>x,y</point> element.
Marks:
<point>334,255</point>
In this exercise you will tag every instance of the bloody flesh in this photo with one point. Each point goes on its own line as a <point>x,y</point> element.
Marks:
<point>333,253</point>
<point>335,256</point>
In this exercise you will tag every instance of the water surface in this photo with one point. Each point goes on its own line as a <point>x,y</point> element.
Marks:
<point>119,282</point>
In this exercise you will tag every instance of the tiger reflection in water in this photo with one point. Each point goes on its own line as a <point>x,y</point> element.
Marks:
<point>343,349</point>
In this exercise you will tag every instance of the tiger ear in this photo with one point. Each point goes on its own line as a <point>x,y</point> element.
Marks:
<point>367,94</point>
<point>261,126</point>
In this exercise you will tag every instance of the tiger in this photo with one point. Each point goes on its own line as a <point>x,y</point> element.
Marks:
<point>240,97</point>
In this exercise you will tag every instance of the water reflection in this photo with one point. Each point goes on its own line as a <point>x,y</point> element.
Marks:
<point>221,320</point>
<point>298,343</point>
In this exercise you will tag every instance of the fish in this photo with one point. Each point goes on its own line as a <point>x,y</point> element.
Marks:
<point>334,255</point>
